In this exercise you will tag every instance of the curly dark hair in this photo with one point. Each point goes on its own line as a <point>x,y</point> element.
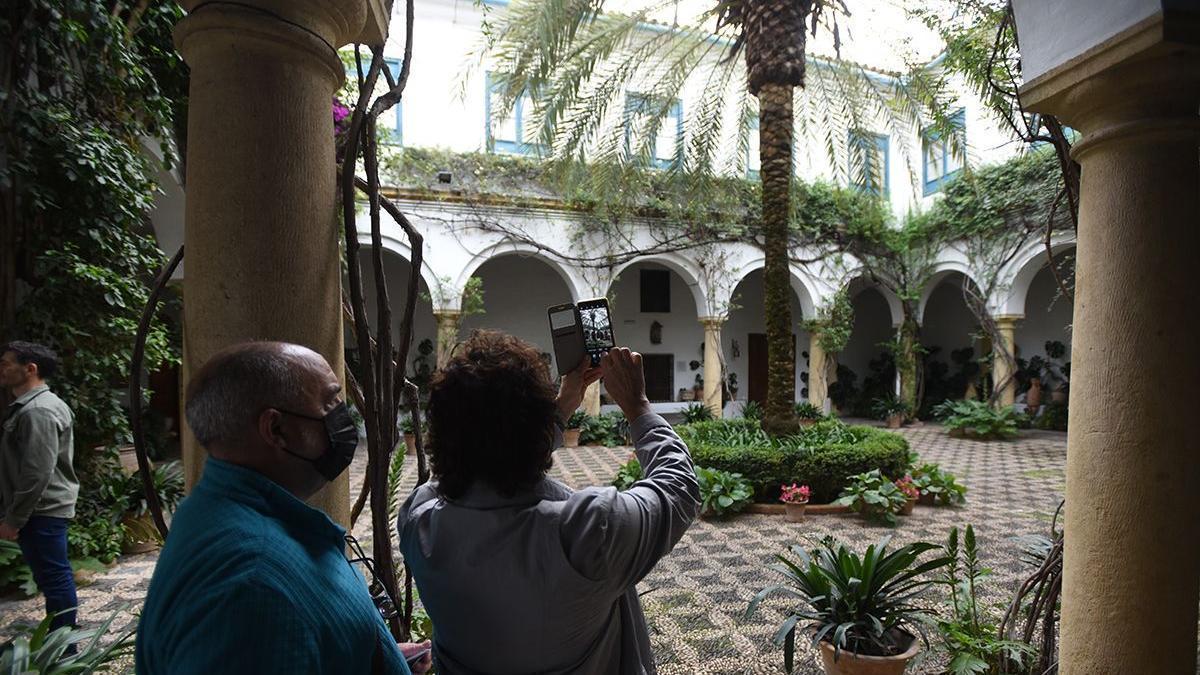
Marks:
<point>491,416</point>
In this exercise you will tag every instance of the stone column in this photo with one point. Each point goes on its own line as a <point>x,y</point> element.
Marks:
<point>1006,326</point>
<point>713,360</point>
<point>591,399</point>
<point>818,375</point>
<point>260,223</point>
<point>448,321</point>
<point>1132,566</point>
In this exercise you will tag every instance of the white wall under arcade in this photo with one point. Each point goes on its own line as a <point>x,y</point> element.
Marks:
<point>1047,317</point>
<point>745,319</point>
<point>872,327</point>
<point>397,270</point>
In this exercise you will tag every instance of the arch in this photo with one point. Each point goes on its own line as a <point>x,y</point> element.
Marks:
<point>941,270</point>
<point>403,250</point>
<point>1026,266</point>
<point>686,269</point>
<point>525,250</point>
<point>857,282</point>
<point>800,286</point>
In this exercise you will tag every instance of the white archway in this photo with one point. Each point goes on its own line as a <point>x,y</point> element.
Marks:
<point>801,286</point>
<point>685,268</point>
<point>942,270</point>
<point>1025,268</point>
<point>507,247</point>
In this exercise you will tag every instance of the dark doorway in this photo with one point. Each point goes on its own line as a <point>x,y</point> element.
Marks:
<point>660,377</point>
<point>757,345</point>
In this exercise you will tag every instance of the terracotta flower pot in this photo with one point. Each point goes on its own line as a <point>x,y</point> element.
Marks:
<point>410,444</point>
<point>1058,396</point>
<point>141,535</point>
<point>853,664</point>
<point>895,421</point>
<point>926,499</point>
<point>1033,398</point>
<point>908,507</point>
<point>571,438</point>
<point>795,512</point>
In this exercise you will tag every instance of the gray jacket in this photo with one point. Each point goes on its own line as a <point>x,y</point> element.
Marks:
<point>543,582</point>
<point>37,476</point>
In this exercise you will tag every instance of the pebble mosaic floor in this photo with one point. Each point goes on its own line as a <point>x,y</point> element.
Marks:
<point>695,598</point>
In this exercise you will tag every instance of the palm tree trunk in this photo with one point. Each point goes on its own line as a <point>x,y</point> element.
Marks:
<point>775,142</point>
<point>909,363</point>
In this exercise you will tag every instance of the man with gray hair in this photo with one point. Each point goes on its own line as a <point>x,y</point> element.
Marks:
<point>252,579</point>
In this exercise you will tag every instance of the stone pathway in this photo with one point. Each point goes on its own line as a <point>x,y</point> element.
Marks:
<point>695,598</point>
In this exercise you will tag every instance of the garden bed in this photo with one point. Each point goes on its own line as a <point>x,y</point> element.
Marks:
<point>822,456</point>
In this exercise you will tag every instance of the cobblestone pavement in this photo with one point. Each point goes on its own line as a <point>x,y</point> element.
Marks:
<point>695,598</point>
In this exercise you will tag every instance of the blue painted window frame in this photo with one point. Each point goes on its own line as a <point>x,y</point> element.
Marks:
<point>517,147</point>
<point>928,137</point>
<point>860,139</point>
<point>753,174</point>
<point>636,102</point>
<point>396,136</point>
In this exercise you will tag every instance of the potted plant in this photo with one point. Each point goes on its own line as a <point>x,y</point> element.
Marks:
<point>722,493</point>
<point>731,381</point>
<point>572,429</point>
<point>141,535</point>
<point>890,409</point>
<point>808,413</point>
<point>937,487</point>
<point>698,388</point>
<point>872,495</point>
<point>795,498</point>
<point>410,434</point>
<point>910,492</point>
<point>860,610</point>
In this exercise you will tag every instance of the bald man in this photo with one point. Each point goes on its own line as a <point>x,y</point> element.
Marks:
<point>251,579</point>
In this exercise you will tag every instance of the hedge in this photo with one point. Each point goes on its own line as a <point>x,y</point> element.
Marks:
<point>821,456</point>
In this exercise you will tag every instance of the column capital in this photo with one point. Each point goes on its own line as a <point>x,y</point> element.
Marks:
<point>447,314</point>
<point>1008,320</point>
<point>335,22</point>
<point>712,321</point>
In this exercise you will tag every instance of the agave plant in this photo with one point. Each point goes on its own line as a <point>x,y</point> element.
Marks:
<point>697,412</point>
<point>865,604</point>
<point>48,652</point>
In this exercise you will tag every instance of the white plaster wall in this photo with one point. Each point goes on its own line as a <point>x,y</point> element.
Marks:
<point>1047,317</point>
<point>747,319</point>
<point>872,326</point>
<point>682,333</point>
<point>517,291</point>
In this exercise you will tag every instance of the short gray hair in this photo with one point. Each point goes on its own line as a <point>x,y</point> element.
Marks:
<point>226,396</point>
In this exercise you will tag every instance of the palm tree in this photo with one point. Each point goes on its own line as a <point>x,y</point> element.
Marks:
<point>577,63</point>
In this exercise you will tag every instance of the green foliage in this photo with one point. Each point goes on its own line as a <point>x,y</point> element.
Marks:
<point>752,410</point>
<point>856,603</point>
<point>821,456</point>
<point>41,651</point>
<point>834,322</point>
<point>168,484</point>
<point>13,570</point>
<point>697,412</point>
<point>1053,417</point>
<point>976,419</point>
<point>888,406</point>
<point>970,636</point>
<point>609,430</point>
<point>628,473</point>
<point>807,411</point>
<point>722,493</point>
<point>576,420</point>
<point>941,486</point>
<point>104,496</point>
<point>875,496</point>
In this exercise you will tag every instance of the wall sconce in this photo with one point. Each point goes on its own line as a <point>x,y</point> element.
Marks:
<point>656,333</point>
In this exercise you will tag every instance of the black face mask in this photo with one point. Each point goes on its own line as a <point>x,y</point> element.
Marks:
<point>343,441</point>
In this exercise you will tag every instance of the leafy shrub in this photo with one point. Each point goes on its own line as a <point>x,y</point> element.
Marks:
<point>608,430</point>
<point>168,483</point>
<point>722,493</point>
<point>969,636</point>
<point>857,603</point>
<point>697,412</point>
<point>889,406</point>
<point>821,456</point>
<point>752,410</point>
<point>807,411</point>
<point>576,419</point>
<point>977,419</point>
<point>941,486</point>
<point>628,473</point>
<point>875,496</point>
<point>1053,417</point>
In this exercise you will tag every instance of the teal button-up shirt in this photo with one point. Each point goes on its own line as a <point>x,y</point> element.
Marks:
<point>252,580</point>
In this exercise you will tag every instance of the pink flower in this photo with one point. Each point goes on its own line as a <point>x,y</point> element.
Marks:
<point>906,486</point>
<point>794,494</point>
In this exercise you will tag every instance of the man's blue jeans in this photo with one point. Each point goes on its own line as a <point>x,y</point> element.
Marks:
<point>43,541</point>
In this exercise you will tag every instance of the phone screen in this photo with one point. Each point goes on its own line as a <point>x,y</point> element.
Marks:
<point>597,330</point>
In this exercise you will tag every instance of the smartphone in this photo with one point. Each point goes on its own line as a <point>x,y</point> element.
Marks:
<point>566,333</point>
<point>597,328</point>
<point>412,659</point>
